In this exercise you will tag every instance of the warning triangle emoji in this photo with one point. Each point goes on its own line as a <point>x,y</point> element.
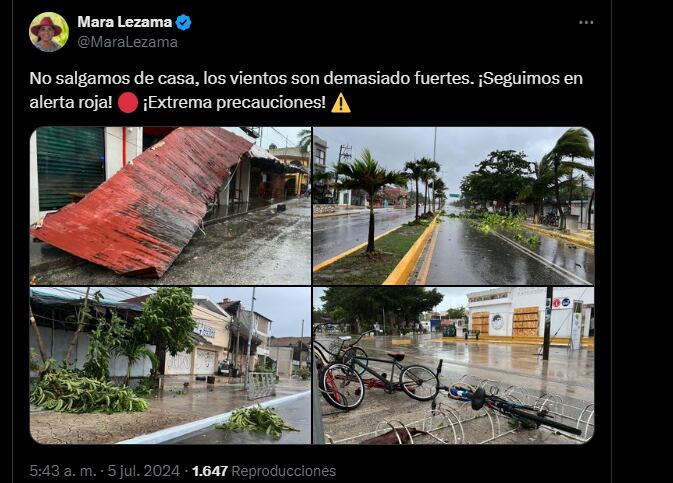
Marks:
<point>341,106</point>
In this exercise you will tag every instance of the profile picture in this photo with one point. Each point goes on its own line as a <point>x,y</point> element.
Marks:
<point>48,32</point>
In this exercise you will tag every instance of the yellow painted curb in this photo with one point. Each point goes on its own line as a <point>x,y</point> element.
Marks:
<point>400,275</point>
<point>563,236</point>
<point>401,342</point>
<point>330,261</point>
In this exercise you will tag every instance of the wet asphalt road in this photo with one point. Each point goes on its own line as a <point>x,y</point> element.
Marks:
<point>568,374</point>
<point>463,255</point>
<point>333,235</point>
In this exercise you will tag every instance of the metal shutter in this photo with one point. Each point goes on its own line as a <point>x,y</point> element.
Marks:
<point>69,160</point>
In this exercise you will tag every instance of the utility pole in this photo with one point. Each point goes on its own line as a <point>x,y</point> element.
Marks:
<point>301,342</point>
<point>547,323</point>
<point>238,338</point>
<point>251,331</point>
<point>384,320</point>
<point>345,155</point>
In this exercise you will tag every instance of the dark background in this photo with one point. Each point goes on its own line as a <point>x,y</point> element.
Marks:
<point>289,38</point>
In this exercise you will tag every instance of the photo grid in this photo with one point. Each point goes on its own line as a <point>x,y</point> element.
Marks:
<point>311,285</point>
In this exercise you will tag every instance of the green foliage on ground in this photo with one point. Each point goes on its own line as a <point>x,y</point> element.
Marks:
<point>146,387</point>
<point>257,420</point>
<point>512,223</point>
<point>72,391</point>
<point>304,374</point>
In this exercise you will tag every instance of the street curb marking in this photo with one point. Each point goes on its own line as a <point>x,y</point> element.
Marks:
<point>562,236</point>
<point>330,261</point>
<point>327,215</point>
<point>177,431</point>
<point>400,275</point>
<point>556,342</point>
<point>423,273</point>
<point>575,279</point>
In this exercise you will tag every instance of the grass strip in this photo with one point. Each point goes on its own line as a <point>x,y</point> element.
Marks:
<point>362,268</point>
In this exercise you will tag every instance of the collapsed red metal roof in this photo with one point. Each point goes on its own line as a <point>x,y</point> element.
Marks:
<point>138,221</point>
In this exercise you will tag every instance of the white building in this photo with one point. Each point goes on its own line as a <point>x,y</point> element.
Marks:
<point>519,312</point>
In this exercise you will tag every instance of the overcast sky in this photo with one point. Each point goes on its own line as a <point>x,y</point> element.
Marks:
<point>458,148</point>
<point>285,306</point>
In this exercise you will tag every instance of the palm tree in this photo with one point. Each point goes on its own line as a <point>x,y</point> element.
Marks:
<point>438,188</point>
<point>366,174</point>
<point>305,137</point>
<point>540,186</point>
<point>414,173</point>
<point>428,167</point>
<point>574,143</point>
<point>135,351</point>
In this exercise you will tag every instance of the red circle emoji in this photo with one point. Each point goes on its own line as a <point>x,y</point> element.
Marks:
<point>128,102</point>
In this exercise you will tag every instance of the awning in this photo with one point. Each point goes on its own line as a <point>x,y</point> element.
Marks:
<point>138,221</point>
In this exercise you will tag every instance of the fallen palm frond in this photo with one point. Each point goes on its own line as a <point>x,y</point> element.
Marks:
<point>69,391</point>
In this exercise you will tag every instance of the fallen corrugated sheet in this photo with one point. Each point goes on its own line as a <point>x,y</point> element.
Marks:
<point>138,221</point>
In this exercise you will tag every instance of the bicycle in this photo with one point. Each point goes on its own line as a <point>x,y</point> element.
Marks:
<point>348,387</point>
<point>338,350</point>
<point>339,355</point>
<point>527,415</point>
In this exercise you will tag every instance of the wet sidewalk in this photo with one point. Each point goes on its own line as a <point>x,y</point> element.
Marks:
<point>175,406</point>
<point>262,247</point>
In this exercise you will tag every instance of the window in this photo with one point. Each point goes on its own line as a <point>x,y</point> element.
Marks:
<point>320,156</point>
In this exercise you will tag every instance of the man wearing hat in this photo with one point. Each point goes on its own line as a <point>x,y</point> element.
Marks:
<point>45,31</point>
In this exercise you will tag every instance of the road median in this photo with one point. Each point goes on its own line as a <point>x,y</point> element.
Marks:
<point>356,267</point>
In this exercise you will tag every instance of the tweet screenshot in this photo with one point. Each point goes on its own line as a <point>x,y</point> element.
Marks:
<point>292,243</point>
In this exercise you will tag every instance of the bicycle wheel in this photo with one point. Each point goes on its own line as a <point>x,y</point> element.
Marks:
<point>530,415</point>
<point>342,387</point>
<point>419,382</point>
<point>359,354</point>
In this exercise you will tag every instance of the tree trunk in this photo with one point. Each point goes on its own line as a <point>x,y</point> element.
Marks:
<point>36,332</point>
<point>160,352</point>
<point>558,195</point>
<point>591,202</point>
<point>417,198</point>
<point>80,325</point>
<point>370,240</point>
<point>570,189</point>
<point>425,199</point>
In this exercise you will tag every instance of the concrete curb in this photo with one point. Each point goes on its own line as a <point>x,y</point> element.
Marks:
<point>577,240</point>
<point>330,261</point>
<point>177,431</point>
<point>400,275</point>
<point>553,343</point>
<point>327,215</point>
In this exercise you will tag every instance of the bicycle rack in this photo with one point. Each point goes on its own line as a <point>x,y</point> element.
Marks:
<point>455,422</point>
<point>262,384</point>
